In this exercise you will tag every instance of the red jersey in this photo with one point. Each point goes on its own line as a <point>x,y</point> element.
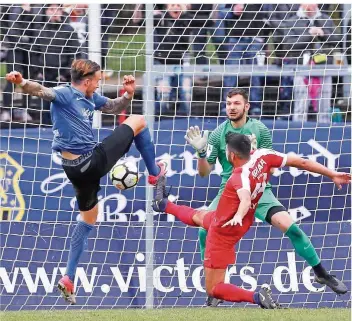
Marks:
<point>252,176</point>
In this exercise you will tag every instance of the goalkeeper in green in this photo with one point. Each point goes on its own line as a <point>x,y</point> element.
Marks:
<point>269,208</point>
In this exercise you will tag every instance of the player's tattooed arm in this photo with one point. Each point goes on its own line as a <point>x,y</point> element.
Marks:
<point>30,87</point>
<point>35,89</point>
<point>117,105</point>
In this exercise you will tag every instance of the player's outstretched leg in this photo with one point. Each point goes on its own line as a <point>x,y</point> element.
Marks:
<point>145,146</point>
<point>66,288</point>
<point>213,302</point>
<point>184,213</point>
<point>264,299</point>
<point>160,197</point>
<point>305,249</point>
<point>77,245</point>
<point>332,282</point>
<point>233,293</point>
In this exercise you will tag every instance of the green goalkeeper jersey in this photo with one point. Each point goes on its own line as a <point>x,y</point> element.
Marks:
<point>217,144</point>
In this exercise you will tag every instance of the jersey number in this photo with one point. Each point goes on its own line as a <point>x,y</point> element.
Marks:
<point>259,187</point>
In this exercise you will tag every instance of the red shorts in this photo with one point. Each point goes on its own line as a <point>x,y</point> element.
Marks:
<point>220,246</point>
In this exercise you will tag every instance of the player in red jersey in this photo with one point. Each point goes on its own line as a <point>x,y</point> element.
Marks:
<point>235,212</point>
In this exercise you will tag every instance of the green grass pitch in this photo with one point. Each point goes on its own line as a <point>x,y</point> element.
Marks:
<point>191,314</point>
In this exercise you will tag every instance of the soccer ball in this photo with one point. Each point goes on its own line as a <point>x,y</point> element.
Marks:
<point>124,175</point>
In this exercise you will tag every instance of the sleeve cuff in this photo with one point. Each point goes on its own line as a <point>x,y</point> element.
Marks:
<point>284,160</point>
<point>127,95</point>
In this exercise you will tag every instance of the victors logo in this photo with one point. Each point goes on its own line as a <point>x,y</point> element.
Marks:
<point>187,280</point>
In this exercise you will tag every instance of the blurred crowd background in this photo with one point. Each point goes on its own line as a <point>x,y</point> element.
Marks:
<point>41,41</point>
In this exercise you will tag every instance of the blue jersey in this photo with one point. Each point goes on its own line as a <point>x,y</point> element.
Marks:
<point>72,117</point>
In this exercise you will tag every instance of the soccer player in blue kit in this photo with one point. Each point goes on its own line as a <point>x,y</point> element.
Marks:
<point>83,159</point>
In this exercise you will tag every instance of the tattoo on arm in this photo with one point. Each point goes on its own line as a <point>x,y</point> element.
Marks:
<point>35,89</point>
<point>115,106</point>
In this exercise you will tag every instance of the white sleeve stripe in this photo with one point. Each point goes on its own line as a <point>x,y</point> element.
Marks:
<point>284,160</point>
<point>243,188</point>
<point>245,179</point>
<point>266,151</point>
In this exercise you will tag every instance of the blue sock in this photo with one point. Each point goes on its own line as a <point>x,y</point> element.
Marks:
<point>145,146</point>
<point>77,246</point>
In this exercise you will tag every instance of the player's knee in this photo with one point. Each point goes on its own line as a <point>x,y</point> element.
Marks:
<point>90,216</point>
<point>139,120</point>
<point>88,205</point>
<point>278,217</point>
<point>137,123</point>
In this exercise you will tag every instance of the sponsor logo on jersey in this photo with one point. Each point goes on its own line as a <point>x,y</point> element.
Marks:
<point>88,113</point>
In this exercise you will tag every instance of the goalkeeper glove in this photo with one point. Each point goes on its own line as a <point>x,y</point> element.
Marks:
<point>195,139</point>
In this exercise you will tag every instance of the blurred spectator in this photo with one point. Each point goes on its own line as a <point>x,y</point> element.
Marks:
<point>4,25</point>
<point>138,16</point>
<point>78,20</point>
<point>277,14</point>
<point>311,38</point>
<point>18,40</point>
<point>220,35</point>
<point>54,50</point>
<point>108,15</point>
<point>138,13</point>
<point>245,25</point>
<point>202,26</point>
<point>171,43</point>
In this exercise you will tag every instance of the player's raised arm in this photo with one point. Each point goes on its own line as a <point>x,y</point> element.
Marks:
<point>339,178</point>
<point>117,105</point>
<point>200,143</point>
<point>31,87</point>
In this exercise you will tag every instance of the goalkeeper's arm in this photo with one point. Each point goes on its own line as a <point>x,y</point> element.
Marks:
<point>200,143</point>
<point>31,87</point>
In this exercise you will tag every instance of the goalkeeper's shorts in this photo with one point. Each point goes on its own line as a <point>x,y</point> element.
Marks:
<point>266,202</point>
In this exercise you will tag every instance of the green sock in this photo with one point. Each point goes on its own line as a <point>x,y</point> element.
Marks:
<point>202,236</point>
<point>302,245</point>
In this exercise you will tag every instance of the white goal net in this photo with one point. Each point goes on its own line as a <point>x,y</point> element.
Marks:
<point>185,58</point>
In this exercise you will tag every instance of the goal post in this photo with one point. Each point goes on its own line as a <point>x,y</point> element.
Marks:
<point>137,258</point>
<point>148,110</point>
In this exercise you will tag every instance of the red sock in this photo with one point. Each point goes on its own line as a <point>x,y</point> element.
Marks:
<point>232,293</point>
<point>183,213</point>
